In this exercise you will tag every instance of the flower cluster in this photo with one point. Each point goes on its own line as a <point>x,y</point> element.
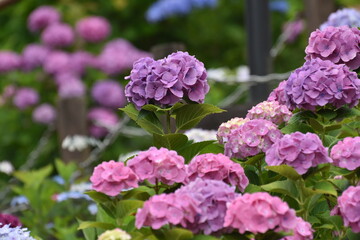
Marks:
<point>164,82</point>
<point>251,138</point>
<point>33,56</point>
<point>160,165</point>
<point>217,167</point>
<point>43,17</point>
<point>271,111</point>
<point>278,94</point>
<point>299,150</point>
<point>103,121</point>
<point>93,29</point>
<point>115,234</point>
<point>58,35</point>
<point>258,213</point>
<point>44,114</point>
<point>11,220</point>
<point>345,153</point>
<point>25,97</point>
<point>348,205</point>
<point>343,17</point>
<point>291,30</point>
<point>302,231</point>
<point>337,44</point>
<point>7,232</point>
<point>320,82</point>
<point>226,128</point>
<point>112,177</point>
<point>9,61</point>
<point>108,93</point>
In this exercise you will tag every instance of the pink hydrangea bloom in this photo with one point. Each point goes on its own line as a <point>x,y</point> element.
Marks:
<point>42,17</point>
<point>346,153</point>
<point>217,167</point>
<point>161,165</point>
<point>337,44</point>
<point>12,220</point>
<point>271,111</point>
<point>258,213</point>
<point>298,150</point>
<point>79,61</point>
<point>103,120</point>
<point>73,87</point>
<point>44,114</point>
<point>108,93</point>
<point>33,56</point>
<point>58,35</point>
<point>93,29</point>
<point>112,177</point>
<point>251,138</point>
<point>9,61</point>
<point>226,127</point>
<point>57,62</point>
<point>349,207</point>
<point>25,97</point>
<point>164,209</point>
<point>302,231</point>
<point>278,94</point>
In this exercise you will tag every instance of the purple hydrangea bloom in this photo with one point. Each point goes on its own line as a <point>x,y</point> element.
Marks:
<point>337,44</point>
<point>72,87</point>
<point>79,61</point>
<point>271,111</point>
<point>33,56</point>
<point>226,128</point>
<point>9,61</point>
<point>346,153</point>
<point>302,231</point>
<point>343,17</point>
<point>291,30</point>
<point>348,208</point>
<point>278,94</point>
<point>320,82</point>
<point>108,93</point>
<point>25,97</point>
<point>93,29</point>
<point>42,17</point>
<point>58,35</point>
<point>44,114</point>
<point>298,150</point>
<point>57,62</point>
<point>11,220</point>
<point>251,138</point>
<point>103,120</point>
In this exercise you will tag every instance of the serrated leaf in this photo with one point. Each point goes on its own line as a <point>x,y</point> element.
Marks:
<point>90,224</point>
<point>285,170</point>
<point>127,207</point>
<point>325,188</point>
<point>65,170</point>
<point>328,140</point>
<point>286,187</point>
<point>316,125</point>
<point>172,141</point>
<point>190,151</point>
<point>34,177</point>
<point>296,127</point>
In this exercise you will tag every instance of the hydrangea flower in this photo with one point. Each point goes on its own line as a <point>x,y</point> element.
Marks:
<point>200,135</point>
<point>319,82</point>
<point>161,165</point>
<point>45,114</point>
<point>103,121</point>
<point>10,220</point>
<point>258,213</point>
<point>19,200</point>
<point>57,62</point>
<point>211,197</point>
<point>278,94</point>
<point>217,167</point>
<point>112,177</point>
<point>251,138</point>
<point>298,150</point>
<point>93,29</point>
<point>115,234</point>
<point>226,128</point>
<point>348,208</point>
<point>33,56</point>
<point>271,111</point>
<point>6,167</point>
<point>43,17</point>
<point>345,153</point>
<point>343,17</point>
<point>291,30</point>
<point>17,233</point>
<point>25,97</point>
<point>79,61</point>
<point>302,231</point>
<point>337,44</point>
<point>164,209</point>
<point>71,195</point>
<point>58,35</point>
<point>108,93</point>
<point>73,87</point>
<point>9,61</point>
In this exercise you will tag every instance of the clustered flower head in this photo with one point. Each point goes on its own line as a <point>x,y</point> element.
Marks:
<point>8,219</point>
<point>321,82</point>
<point>302,231</point>
<point>108,93</point>
<point>217,167</point>
<point>166,81</point>
<point>278,94</point>
<point>57,62</point>
<point>93,29</point>
<point>337,44</point>
<point>291,30</point>
<point>103,121</point>
<point>80,60</point>
<point>343,17</point>
<point>112,177</point>
<point>161,165</point>
<point>298,150</point>
<point>226,128</point>
<point>348,208</point>
<point>346,153</point>
<point>58,35</point>
<point>115,234</point>
<point>73,87</point>
<point>7,232</point>
<point>33,56</point>
<point>9,61</point>
<point>44,114</point>
<point>258,213</point>
<point>251,138</point>
<point>43,17</point>
<point>271,111</point>
<point>25,97</point>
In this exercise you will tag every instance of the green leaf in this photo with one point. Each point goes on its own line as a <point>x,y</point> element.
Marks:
<point>327,113</point>
<point>285,170</point>
<point>154,108</point>
<point>34,177</point>
<point>98,196</point>
<point>251,188</point>
<point>178,234</point>
<point>127,207</point>
<point>65,170</point>
<point>204,237</point>
<point>191,114</point>
<point>284,187</point>
<point>346,112</point>
<point>352,236</point>
<point>90,224</point>
<point>190,151</point>
<point>213,148</point>
<point>301,117</point>
<point>296,127</point>
<point>89,233</point>
<point>329,140</point>
<point>325,188</point>
<point>172,141</point>
<point>316,125</point>
<point>147,120</point>
<point>311,202</point>
<point>140,193</point>
<point>332,127</point>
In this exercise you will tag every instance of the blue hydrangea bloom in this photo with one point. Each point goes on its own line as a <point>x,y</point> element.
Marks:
<point>279,6</point>
<point>58,179</point>
<point>17,233</point>
<point>344,17</point>
<point>163,9</point>
<point>19,200</point>
<point>71,195</point>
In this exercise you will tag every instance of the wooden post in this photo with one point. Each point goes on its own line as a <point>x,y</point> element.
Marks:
<point>317,12</point>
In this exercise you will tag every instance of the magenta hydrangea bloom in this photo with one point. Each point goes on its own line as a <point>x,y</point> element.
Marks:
<point>25,97</point>
<point>337,44</point>
<point>44,114</point>
<point>161,165</point>
<point>79,61</point>
<point>166,81</point>
<point>302,231</point>
<point>11,220</point>
<point>58,35</point>
<point>258,213</point>
<point>103,120</point>
<point>9,61</point>
<point>251,138</point>
<point>57,62</point>
<point>217,167</point>
<point>112,177</point>
<point>319,82</point>
<point>33,56</point>
<point>298,150</point>
<point>226,127</point>
<point>93,29</point>
<point>278,94</point>
<point>108,93</point>
<point>72,87</point>
<point>164,209</point>
<point>271,111</point>
<point>349,206</point>
<point>211,197</point>
<point>346,153</point>
<point>43,17</point>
